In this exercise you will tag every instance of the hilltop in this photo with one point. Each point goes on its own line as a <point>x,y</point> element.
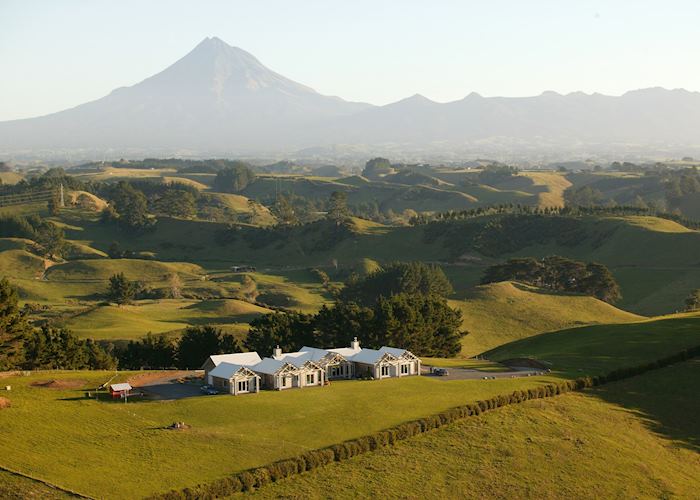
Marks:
<point>219,98</point>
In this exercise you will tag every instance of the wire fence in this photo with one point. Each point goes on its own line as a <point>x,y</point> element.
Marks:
<point>10,200</point>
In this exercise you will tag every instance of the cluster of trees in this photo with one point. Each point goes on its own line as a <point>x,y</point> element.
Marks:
<point>194,346</point>
<point>495,173</point>
<point>402,305</point>
<point>692,302</point>
<point>49,237</point>
<point>558,273</point>
<point>234,178</point>
<point>22,346</point>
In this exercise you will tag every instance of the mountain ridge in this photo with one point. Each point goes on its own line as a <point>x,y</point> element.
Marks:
<point>221,99</point>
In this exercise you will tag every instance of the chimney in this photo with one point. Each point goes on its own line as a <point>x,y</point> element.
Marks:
<point>355,344</point>
<point>277,352</point>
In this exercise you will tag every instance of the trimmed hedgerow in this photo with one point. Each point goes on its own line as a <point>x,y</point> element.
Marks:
<point>248,480</point>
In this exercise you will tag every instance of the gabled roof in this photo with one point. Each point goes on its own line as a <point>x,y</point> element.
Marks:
<point>316,354</point>
<point>271,366</point>
<point>372,356</point>
<point>120,387</point>
<point>228,370</point>
<point>397,352</point>
<point>237,358</point>
<point>346,352</point>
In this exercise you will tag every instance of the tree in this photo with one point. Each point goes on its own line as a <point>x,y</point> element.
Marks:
<point>54,204</point>
<point>338,207</point>
<point>175,286</point>
<point>377,167</point>
<point>58,349</point>
<point>121,290</point>
<point>176,203</point>
<point>284,211</point>
<point>558,273</point>
<point>290,331</point>
<point>398,278</point>
<point>153,351</point>
<point>234,178</point>
<point>50,238</point>
<point>692,302</point>
<point>198,343</point>
<point>130,206</point>
<point>14,326</point>
<point>422,324</point>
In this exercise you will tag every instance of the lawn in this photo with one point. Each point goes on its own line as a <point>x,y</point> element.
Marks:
<point>633,439</point>
<point>83,441</point>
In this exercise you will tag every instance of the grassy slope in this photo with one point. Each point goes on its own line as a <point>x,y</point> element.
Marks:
<point>655,261</point>
<point>499,313</point>
<point>227,434</point>
<point>633,439</point>
<point>135,321</point>
<point>14,487</point>
<point>596,349</point>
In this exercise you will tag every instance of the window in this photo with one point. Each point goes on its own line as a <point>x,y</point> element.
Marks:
<point>385,371</point>
<point>335,371</point>
<point>284,381</point>
<point>310,378</point>
<point>405,369</point>
<point>243,386</point>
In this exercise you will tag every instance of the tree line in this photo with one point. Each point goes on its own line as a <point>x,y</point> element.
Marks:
<point>560,274</point>
<point>402,305</point>
<point>24,347</point>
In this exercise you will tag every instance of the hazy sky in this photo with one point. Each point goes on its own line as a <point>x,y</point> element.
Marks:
<point>55,55</point>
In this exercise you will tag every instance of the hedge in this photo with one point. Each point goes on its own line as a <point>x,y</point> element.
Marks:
<point>251,479</point>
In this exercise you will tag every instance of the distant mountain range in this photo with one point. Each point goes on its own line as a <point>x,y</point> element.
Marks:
<point>220,100</point>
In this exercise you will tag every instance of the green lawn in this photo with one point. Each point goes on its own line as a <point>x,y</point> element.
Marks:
<point>602,348</point>
<point>83,442</point>
<point>633,439</point>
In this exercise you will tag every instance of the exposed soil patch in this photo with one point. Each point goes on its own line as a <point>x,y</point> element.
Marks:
<point>60,384</point>
<point>144,378</point>
<point>4,403</point>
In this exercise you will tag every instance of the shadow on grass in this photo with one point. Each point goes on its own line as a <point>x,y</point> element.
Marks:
<point>667,400</point>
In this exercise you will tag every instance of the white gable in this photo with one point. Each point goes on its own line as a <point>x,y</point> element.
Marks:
<point>228,370</point>
<point>238,358</point>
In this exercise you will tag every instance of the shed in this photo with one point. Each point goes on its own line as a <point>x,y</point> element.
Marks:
<point>120,390</point>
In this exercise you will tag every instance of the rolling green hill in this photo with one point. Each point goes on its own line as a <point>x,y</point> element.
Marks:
<point>600,348</point>
<point>500,313</point>
<point>631,439</point>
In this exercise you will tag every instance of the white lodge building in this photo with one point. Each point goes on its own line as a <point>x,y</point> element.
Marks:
<point>234,379</point>
<point>246,372</point>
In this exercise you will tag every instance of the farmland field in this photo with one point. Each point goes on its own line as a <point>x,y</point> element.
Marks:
<point>632,439</point>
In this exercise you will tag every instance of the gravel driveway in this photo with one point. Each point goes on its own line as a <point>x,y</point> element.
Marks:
<point>468,374</point>
<point>167,387</point>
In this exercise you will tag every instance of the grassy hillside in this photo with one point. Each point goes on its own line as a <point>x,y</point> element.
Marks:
<point>232,433</point>
<point>499,313</point>
<point>600,348</point>
<point>632,439</point>
<point>161,316</point>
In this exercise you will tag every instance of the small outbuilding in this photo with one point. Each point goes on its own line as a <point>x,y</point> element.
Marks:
<point>120,390</point>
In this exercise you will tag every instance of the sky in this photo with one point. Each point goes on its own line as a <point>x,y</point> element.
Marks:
<point>56,55</point>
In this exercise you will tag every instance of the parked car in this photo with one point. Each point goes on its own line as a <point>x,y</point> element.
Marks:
<point>208,390</point>
<point>441,372</point>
